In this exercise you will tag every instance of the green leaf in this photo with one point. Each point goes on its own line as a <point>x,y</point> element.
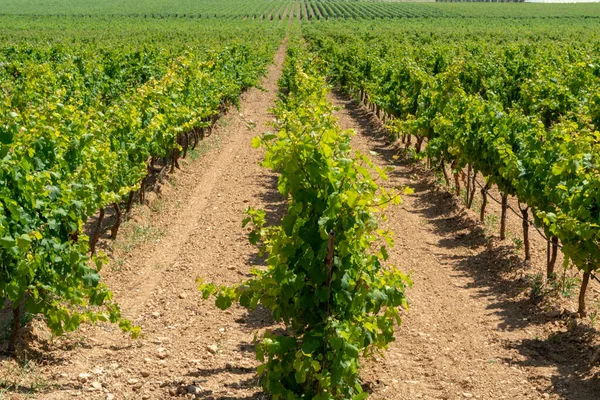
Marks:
<point>557,169</point>
<point>352,196</point>
<point>7,242</point>
<point>300,376</point>
<point>91,279</point>
<point>23,242</point>
<point>223,302</point>
<point>311,343</point>
<point>288,223</point>
<point>6,137</point>
<point>256,142</point>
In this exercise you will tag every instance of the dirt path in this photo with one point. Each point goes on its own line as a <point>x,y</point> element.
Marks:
<point>193,229</point>
<point>472,331</point>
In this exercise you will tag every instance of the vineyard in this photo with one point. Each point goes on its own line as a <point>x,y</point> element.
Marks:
<point>299,199</point>
<point>523,116</point>
<point>247,9</point>
<point>277,10</point>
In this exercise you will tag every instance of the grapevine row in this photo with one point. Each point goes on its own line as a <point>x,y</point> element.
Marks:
<point>241,9</point>
<point>522,115</point>
<point>324,280</point>
<point>81,127</point>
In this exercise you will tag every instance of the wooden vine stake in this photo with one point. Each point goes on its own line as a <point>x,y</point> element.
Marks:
<point>584,283</point>
<point>456,178</point>
<point>446,177</point>
<point>96,234</point>
<point>503,216</point>
<point>551,254</point>
<point>473,188</point>
<point>457,184</point>
<point>526,245</point>
<point>12,340</point>
<point>484,201</point>
<point>469,170</point>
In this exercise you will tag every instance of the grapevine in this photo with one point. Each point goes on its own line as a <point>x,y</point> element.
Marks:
<point>325,280</point>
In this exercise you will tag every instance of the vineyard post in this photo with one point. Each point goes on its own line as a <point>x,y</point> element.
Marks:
<point>548,272</point>
<point>96,234</point>
<point>483,201</point>
<point>525,214</point>
<point>469,169</point>
<point>551,254</point>
<point>15,328</point>
<point>584,283</point>
<point>446,178</point>
<point>503,216</point>
<point>456,179</point>
<point>473,188</point>
<point>115,228</point>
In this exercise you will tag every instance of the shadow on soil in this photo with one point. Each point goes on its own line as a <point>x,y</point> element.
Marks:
<point>496,272</point>
<point>273,205</point>
<point>257,319</point>
<point>234,387</point>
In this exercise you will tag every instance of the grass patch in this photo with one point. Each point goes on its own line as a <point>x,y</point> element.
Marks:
<point>158,205</point>
<point>134,235</point>
<point>204,146</point>
<point>24,378</point>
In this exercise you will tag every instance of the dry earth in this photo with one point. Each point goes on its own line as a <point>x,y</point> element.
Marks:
<point>473,330</point>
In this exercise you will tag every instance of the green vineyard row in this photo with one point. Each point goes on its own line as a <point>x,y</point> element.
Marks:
<point>82,124</point>
<point>523,113</point>
<point>325,280</point>
<point>307,10</point>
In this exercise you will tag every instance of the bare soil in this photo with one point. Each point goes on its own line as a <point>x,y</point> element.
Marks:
<point>474,330</point>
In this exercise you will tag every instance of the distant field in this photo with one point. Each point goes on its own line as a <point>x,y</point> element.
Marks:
<point>263,9</point>
<point>521,10</point>
<point>289,9</point>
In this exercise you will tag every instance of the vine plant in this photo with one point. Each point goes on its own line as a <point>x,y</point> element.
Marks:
<point>325,277</point>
